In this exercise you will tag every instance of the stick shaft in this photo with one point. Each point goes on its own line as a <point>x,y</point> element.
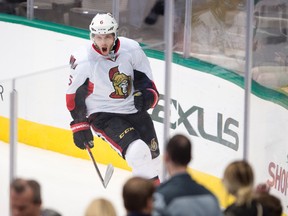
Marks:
<point>95,164</point>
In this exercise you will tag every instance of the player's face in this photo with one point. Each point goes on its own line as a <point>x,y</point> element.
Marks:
<point>104,42</point>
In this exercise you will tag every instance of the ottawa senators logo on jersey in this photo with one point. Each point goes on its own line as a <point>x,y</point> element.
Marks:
<point>121,83</point>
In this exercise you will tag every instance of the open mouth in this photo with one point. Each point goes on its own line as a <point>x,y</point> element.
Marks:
<point>104,49</point>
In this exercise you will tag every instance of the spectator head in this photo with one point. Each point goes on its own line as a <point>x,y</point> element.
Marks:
<point>138,195</point>
<point>271,204</point>
<point>178,150</point>
<point>25,197</point>
<point>100,207</point>
<point>238,180</point>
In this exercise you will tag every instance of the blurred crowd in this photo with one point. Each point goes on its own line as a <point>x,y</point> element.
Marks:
<point>177,194</point>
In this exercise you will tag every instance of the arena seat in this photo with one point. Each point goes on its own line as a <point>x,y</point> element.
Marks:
<point>274,77</point>
<point>81,17</point>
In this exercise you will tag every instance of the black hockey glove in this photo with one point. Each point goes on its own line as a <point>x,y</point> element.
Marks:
<point>143,99</point>
<point>82,134</point>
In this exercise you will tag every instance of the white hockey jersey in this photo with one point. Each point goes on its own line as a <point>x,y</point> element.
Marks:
<point>110,87</point>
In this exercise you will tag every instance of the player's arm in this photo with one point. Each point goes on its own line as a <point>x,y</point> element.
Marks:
<point>146,95</point>
<point>75,102</point>
<point>76,95</point>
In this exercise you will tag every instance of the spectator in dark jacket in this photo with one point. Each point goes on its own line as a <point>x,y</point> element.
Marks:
<point>181,195</point>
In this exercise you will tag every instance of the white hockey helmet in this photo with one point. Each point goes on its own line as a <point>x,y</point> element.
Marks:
<point>103,23</point>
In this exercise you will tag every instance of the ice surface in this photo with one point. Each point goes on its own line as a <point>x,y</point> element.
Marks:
<point>68,183</point>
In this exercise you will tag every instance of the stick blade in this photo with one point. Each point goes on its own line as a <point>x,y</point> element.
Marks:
<point>108,174</point>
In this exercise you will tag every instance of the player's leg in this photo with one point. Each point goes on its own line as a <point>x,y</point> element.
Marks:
<point>139,158</point>
<point>125,139</point>
<point>114,129</point>
<point>145,127</point>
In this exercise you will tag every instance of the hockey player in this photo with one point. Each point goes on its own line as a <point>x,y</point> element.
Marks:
<point>110,89</point>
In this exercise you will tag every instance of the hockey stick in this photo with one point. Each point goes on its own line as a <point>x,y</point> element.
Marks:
<point>109,169</point>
